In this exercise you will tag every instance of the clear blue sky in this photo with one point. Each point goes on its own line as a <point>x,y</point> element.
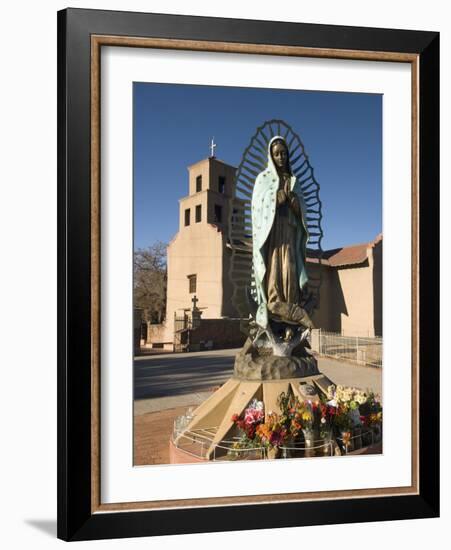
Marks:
<point>341,132</point>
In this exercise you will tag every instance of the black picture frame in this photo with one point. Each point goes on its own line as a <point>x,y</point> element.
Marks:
<point>76,518</point>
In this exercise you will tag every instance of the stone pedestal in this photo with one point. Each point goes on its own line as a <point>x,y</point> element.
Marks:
<point>212,420</point>
<point>273,367</point>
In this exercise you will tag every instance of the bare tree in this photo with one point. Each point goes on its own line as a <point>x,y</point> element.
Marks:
<point>149,281</point>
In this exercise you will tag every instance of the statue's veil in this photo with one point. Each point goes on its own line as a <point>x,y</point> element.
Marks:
<point>254,161</point>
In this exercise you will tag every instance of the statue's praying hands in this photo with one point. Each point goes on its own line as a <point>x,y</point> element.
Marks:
<point>281,197</point>
<point>293,200</point>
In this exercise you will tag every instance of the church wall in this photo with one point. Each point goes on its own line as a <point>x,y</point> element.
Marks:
<point>217,170</point>
<point>195,251</point>
<point>217,334</point>
<point>228,309</point>
<point>348,304</point>
<point>357,288</point>
<point>328,316</point>
<point>199,169</point>
<point>223,202</point>
<point>320,316</point>
<point>220,169</point>
<point>191,202</point>
<point>158,334</point>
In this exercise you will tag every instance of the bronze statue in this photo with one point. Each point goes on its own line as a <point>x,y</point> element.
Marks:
<point>280,237</point>
<point>279,296</point>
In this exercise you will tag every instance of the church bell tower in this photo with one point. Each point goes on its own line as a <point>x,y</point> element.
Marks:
<point>198,256</point>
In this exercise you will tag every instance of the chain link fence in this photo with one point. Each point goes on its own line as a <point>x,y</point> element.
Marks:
<point>356,349</point>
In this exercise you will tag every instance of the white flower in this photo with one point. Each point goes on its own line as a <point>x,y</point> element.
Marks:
<point>360,398</point>
<point>255,404</point>
<point>331,391</point>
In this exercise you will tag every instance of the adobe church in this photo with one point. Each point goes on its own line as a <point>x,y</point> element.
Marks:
<point>199,310</point>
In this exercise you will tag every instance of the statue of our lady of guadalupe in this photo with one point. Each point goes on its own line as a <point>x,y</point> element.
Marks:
<point>280,238</point>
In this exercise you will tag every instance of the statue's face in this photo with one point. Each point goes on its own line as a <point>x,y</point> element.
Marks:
<point>279,155</point>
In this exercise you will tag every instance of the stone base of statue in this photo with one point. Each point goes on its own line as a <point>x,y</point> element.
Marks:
<point>260,367</point>
<point>208,432</point>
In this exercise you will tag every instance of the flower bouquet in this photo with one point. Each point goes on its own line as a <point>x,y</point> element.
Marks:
<point>307,427</point>
<point>308,424</point>
<point>247,425</point>
<point>297,418</point>
<point>256,433</point>
<point>371,417</point>
<point>353,409</point>
<point>272,434</point>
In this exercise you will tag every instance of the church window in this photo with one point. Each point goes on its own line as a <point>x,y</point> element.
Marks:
<point>192,282</point>
<point>198,213</point>
<point>218,213</point>
<point>198,184</point>
<point>187,216</point>
<point>221,184</point>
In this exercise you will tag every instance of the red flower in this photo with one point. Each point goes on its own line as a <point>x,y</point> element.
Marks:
<point>240,423</point>
<point>250,431</point>
<point>276,439</point>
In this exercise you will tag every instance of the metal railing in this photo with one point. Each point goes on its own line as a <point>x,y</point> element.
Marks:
<point>356,349</point>
<point>198,443</point>
<point>181,339</point>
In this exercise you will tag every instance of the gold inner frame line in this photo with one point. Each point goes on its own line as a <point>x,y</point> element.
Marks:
<point>97,41</point>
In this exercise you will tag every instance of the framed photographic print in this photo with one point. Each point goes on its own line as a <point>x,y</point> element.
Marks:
<point>248,274</point>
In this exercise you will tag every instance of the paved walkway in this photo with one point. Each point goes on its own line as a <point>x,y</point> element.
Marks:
<point>152,432</point>
<point>351,374</point>
<point>143,406</point>
<point>181,373</point>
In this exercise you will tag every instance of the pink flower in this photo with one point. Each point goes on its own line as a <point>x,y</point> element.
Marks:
<point>252,416</point>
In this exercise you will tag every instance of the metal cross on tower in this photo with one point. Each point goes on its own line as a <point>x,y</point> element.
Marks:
<point>212,148</point>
